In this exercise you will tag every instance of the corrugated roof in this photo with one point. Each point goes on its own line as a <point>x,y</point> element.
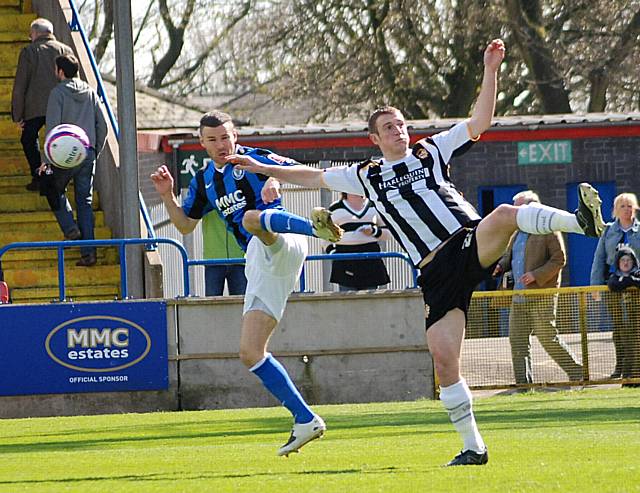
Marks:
<point>156,111</point>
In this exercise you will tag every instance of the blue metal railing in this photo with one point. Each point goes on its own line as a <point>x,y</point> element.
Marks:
<point>76,25</point>
<point>324,256</point>
<point>186,262</point>
<point>120,242</point>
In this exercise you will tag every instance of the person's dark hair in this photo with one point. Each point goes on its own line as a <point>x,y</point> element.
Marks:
<point>68,64</point>
<point>214,119</point>
<point>383,110</point>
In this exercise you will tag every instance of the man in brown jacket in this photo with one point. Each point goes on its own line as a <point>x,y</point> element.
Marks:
<point>35,78</point>
<point>536,261</point>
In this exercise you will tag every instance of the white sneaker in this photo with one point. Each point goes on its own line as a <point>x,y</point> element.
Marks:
<point>303,434</point>
<point>323,225</point>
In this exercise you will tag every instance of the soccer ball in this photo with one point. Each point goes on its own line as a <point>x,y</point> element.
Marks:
<point>66,145</point>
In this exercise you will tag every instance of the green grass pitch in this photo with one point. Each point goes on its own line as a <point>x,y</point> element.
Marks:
<point>571,441</point>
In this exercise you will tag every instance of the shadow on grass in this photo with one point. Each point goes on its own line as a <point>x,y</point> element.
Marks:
<point>177,476</point>
<point>525,415</point>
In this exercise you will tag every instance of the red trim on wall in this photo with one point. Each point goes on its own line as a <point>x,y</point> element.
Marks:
<point>313,141</point>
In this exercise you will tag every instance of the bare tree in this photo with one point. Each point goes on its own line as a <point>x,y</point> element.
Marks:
<point>529,35</point>
<point>342,57</point>
<point>574,56</point>
<point>107,31</point>
<point>346,56</point>
<point>176,40</point>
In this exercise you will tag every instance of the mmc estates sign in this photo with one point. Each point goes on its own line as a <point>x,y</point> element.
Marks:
<point>91,347</point>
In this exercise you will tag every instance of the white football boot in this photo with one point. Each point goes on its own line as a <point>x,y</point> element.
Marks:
<point>303,434</point>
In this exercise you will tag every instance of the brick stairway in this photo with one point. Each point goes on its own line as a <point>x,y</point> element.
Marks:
<point>32,275</point>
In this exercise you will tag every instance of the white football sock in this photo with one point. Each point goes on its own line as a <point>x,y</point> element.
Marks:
<point>539,219</point>
<point>457,401</point>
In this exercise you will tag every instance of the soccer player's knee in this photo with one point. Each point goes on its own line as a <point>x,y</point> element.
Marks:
<point>505,212</point>
<point>251,221</point>
<point>246,357</point>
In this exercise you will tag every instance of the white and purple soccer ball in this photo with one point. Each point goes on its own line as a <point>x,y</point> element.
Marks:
<point>66,146</point>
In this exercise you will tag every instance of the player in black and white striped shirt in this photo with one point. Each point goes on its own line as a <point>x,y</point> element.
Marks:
<point>443,234</point>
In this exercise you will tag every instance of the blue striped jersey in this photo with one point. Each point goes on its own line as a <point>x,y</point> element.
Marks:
<point>231,192</point>
<point>414,195</point>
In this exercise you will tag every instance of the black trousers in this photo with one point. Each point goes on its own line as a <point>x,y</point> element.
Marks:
<point>30,144</point>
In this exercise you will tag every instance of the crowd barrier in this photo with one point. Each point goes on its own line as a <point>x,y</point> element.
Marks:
<point>122,244</point>
<point>552,336</point>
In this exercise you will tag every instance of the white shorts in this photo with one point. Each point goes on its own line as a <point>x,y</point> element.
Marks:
<point>271,276</point>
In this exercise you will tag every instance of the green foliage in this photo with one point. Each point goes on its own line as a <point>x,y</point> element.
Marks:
<point>563,441</point>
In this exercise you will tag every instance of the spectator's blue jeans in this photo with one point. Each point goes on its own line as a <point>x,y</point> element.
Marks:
<point>215,275</point>
<point>83,186</point>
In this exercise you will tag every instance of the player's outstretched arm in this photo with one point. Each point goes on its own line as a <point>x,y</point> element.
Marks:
<point>163,182</point>
<point>298,174</point>
<point>486,102</point>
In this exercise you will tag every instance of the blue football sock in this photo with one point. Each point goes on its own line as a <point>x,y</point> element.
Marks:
<point>280,221</point>
<point>276,380</point>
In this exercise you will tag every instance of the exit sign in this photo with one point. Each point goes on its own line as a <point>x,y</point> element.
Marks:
<point>544,152</point>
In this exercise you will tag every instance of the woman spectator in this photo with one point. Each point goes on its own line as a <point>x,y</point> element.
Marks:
<point>624,230</point>
<point>363,230</point>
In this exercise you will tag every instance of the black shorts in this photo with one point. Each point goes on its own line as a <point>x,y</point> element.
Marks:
<point>448,281</point>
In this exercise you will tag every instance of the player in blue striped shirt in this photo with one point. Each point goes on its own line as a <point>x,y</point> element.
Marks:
<point>276,248</point>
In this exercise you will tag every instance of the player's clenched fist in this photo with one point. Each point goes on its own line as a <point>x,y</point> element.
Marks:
<point>494,54</point>
<point>162,180</point>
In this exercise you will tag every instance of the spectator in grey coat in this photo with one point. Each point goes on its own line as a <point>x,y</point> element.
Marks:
<point>74,101</point>
<point>35,78</point>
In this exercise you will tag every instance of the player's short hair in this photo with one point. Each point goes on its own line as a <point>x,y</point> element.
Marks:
<point>214,119</point>
<point>624,197</point>
<point>41,26</point>
<point>383,110</point>
<point>527,196</point>
<point>68,64</point>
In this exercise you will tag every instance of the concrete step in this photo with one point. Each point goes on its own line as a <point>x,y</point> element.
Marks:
<point>9,53</point>
<point>14,183</point>
<point>73,293</point>
<point>24,201</point>
<point>11,184</point>
<point>16,22</point>
<point>48,258</point>
<point>10,6</point>
<point>13,162</point>
<point>9,129</point>
<point>74,276</point>
<point>6,87</point>
<point>15,4</point>
<point>7,236</point>
<point>34,221</point>
<point>50,231</point>
<point>12,145</point>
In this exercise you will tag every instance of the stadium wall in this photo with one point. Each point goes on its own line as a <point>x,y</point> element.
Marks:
<point>339,348</point>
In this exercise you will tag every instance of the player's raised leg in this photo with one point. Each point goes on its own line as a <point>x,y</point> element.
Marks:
<point>280,221</point>
<point>494,231</point>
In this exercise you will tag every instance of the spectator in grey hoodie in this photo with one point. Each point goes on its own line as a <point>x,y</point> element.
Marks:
<point>74,101</point>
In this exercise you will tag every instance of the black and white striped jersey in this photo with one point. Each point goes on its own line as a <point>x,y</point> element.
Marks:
<point>414,195</point>
<point>352,221</point>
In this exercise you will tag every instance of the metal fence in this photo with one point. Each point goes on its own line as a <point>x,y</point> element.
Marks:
<point>552,336</point>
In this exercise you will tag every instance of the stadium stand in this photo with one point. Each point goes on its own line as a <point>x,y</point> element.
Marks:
<point>25,216</point>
